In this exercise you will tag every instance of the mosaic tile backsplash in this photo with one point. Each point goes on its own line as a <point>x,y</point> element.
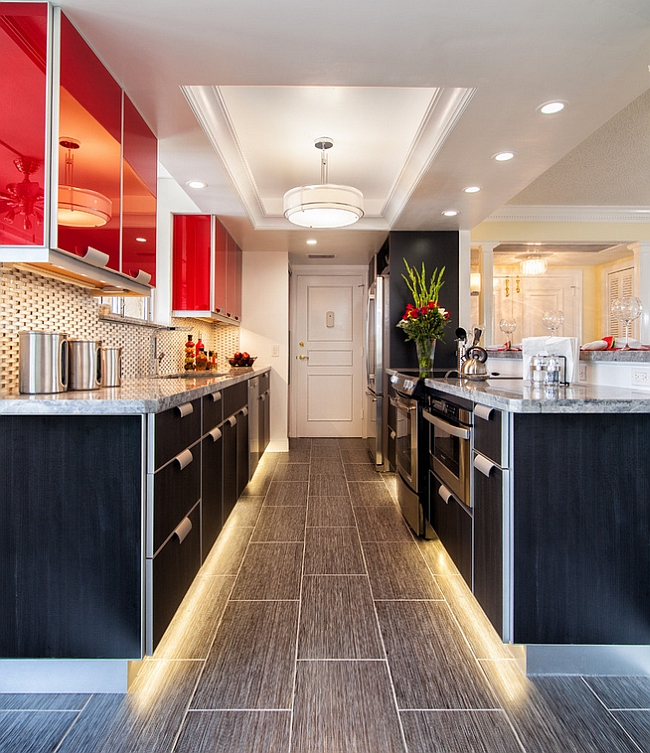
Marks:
<point>29,301</point>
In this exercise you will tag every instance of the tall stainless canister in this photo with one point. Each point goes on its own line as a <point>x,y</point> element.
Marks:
<point>85,365</point>
<point>43,362</point>
<point>111,367</point>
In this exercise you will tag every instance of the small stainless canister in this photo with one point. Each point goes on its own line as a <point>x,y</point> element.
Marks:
<point>111,367</point>
<point>85,365</point>
<point>43,362</point>
<point>538,367</point>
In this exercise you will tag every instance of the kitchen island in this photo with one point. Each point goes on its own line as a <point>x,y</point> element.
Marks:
<point>110,502</point>
<point>560,521</point>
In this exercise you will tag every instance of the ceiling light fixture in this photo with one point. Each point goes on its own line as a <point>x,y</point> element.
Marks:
<point>196,184</point>
<point>550,108</point>
<point>79,207</point>
<point>450,212</point>
<point>326,205</point>
<point>141,240</point>
<point>503,156</point>
<point>533,264</point>
<point>311,241</point>
<point>472,189</point>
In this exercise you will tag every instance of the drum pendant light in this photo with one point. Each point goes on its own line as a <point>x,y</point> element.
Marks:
<point>79,207</point>
<point>326,205</point>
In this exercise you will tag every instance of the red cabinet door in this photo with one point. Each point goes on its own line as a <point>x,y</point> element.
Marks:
<point>234,280</point>
<point>192,249</point>
<point>221,239</point>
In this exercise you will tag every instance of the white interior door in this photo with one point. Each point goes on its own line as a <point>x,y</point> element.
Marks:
<point>328,356</point>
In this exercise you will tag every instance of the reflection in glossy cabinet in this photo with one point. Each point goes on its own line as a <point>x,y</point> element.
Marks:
<point>192,250</point>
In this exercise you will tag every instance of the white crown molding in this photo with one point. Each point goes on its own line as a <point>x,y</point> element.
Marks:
<point>521,213</point>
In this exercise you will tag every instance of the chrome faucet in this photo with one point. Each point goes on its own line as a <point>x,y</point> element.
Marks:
<point>155,356</point>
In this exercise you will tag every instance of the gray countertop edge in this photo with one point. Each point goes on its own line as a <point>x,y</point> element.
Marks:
<point>135,396</point>
<point>593,356</point>
<point>516,396</point>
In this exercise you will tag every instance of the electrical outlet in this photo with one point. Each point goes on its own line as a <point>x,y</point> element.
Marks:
<point>640,376</point>
<point>582,372</point>
<point>275,350</point>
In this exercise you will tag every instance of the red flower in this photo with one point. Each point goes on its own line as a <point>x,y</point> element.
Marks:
<point>446,315</point>
<point>413,313</point>
<point>432,305</point>
<point>409,306</point>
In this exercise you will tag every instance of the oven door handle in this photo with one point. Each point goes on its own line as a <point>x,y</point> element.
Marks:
<point>455,431</point>
<point>402,405</point>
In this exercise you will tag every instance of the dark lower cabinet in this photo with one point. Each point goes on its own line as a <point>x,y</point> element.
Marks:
<point>488,543</point>
<point>265,421</point>
<point>212,489</point>
<point>229,431</point>
<point>452,521</point>
<point>173,570</point>
<point>243,454</point>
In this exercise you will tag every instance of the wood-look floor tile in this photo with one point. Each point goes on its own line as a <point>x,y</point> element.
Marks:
<point>259,484</point>
<point>381,524</point>
<point>622,692</point>
<point>330,511</point>
<point>281,523</point>
<point>269,571</point>
<point>362,472</point>
<point>323,452</point>
<point>337,619</point>
<point>333,551</point>
<point>328,486</point>
<point>459,732</point>
<point>295,456</point>
<point>291,472</point>
<point>558,715</point>
<point>356,456</point>
<point>333,713</point>
<point>637,725</point>
<point>33,731</point>
<point>43,701</point>
<point>326,467</point>
<point>228,551</point>
<point>235,732</point>
<point>478,630</point>
<point>190,633</point>
<point>290,493</point>
<point>324,442</point>
<point>431,664</point>
<point>370,493</point>
<point>146,720</point>
<point>251,664</point>
<point>299,443</point>
<point>397,571</point>
<point>352,443</point>
<point>244,513</point>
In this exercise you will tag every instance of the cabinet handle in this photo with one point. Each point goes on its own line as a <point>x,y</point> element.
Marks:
<point>263,397</point>
<point>215,433</point>
<point>244,411</point>
<point>182,529</point>
<point>444,493</point>
<point>185,409</point>
<point>484,465</point>
<point>483,411</point>
<point>216,396</point>
<point>184,458</point>
<point>393,435</point>
<point>232,420</point>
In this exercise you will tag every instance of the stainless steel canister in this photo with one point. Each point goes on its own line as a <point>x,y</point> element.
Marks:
<point>111,367</point>
<point>43,362</point>
<point>85,364</point>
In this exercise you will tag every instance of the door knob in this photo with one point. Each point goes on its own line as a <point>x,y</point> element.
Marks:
<point>304,358</point>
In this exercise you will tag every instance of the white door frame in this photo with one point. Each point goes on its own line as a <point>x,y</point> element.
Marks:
<point>301,270</point>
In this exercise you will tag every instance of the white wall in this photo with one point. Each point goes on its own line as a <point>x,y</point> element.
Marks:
<point>265,330</point>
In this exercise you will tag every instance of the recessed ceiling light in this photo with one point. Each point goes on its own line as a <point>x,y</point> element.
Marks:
<point>450,212</point>
<point>141,240</point>
<point>196,184</point>
<point>550,108</point>
<point>503,156</point>
<point>472,189</point>
<point>311,241</point>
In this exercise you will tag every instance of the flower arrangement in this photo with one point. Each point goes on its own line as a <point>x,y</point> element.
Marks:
<point>425,319</point>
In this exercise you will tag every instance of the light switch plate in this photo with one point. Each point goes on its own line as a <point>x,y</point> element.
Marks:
<point>275,350</point>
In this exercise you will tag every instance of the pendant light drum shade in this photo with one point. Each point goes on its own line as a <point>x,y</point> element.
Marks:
<point>81,207</point>
<point>326,205</point>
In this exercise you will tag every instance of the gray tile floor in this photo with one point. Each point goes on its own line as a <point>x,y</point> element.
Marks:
<point>318,624</point>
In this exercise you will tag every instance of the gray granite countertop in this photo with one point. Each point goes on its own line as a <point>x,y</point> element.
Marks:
<point>145,395</point>
<point>520,396</point>
<point>605,356</point>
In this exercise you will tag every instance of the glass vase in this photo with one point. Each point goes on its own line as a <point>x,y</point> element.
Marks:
<point>425,350</point>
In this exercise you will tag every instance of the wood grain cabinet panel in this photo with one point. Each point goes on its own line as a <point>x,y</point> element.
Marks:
<point>176,429</point>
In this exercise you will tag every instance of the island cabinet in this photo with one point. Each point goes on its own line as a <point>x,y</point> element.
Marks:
<point>72,489</point>
<point>452,522</point>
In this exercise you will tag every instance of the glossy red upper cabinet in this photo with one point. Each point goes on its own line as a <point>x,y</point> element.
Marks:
<point>206,283</point>
<point>139,179</point>
<point>23,83</point>
<point>191,262</point>
<point>86,204</point>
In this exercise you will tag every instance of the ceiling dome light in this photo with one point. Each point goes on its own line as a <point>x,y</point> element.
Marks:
<point>550,108</point>
<point>326,205</point>
<point>79,207</point>
<point>472,189</point>
<point>450,212</point>
<point>503,156</point>
<point>196,184</point>
<point>311,241</point>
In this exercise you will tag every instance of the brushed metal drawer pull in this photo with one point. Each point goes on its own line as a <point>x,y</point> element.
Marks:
<point>215,433</point>
<point>244,411</point>
<point>232,420</point>
<point>483,411</point>
<point>216,396</point>
<point>444,493</point>
<point>484,465</point>
<point>182,529</point>
<point>185,409</point>
<point>184,458</point>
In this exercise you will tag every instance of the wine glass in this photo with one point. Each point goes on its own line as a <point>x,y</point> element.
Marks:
<point>626,310</point>
<point>553,320</point>
<point>508,325</point>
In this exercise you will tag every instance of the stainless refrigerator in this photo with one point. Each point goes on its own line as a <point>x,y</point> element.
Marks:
<point>377,345</point>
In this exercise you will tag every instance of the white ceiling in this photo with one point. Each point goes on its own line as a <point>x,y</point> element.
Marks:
<point>417,95</point>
